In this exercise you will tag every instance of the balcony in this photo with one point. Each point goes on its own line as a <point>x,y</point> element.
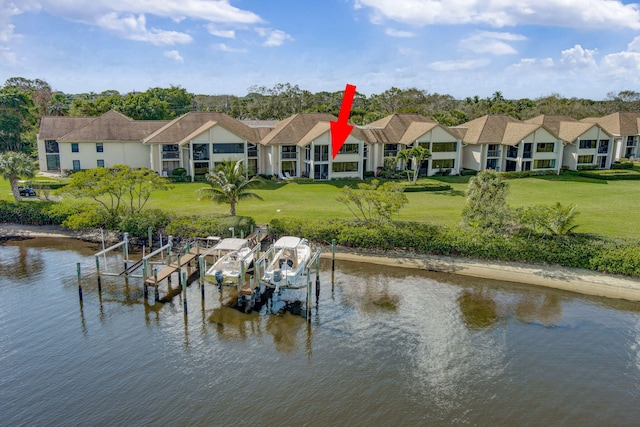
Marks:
<point>289,156</point>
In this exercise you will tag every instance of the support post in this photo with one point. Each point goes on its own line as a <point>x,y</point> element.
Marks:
<point>98,271</point>
<point>308,294</point>
<point>79,284</point>
<point>150,236</point>
<point>155,282</point>
<point>184,292</point>
<point>333,255</point>
<point>125,250</point>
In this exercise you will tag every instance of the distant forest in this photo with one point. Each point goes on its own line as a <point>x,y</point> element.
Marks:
<point>24,101</point>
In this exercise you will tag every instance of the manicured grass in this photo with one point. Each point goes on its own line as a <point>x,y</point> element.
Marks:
<point>609,208</point>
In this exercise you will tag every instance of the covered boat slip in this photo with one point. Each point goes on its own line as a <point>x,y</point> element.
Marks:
<point>286,263</point>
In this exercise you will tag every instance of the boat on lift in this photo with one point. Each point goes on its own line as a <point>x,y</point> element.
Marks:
<point>287,267</point>
<point>233,257</point>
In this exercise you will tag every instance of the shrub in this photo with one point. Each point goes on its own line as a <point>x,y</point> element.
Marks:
<point>612,174</point>
<point>179,172</point>
<point>468,172</point>
<point>622,165</point>
<point>137,224</point>
<point>200,226</point>
<point>426,187</point>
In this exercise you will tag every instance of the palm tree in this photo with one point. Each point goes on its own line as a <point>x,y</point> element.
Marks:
<point>417,155</point>
<point>561,219</point>
<point>14,166</point>
<point>229,184</point>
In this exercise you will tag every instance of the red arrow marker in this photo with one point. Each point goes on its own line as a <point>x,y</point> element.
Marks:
<point>340,130</point>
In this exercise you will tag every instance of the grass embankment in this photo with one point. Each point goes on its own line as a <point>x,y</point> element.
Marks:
<point>608,208</point>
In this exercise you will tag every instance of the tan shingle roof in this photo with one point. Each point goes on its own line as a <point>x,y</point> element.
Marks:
<point>293,129</point>
<point>394,128</point>
<point>54,127</point>
<point>618,124</point>
<point>113,126</point>
<point>496,129</point>
<point>564,127</point>
<point>178,130</point>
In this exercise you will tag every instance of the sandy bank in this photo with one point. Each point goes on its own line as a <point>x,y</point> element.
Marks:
<point>569,279</point>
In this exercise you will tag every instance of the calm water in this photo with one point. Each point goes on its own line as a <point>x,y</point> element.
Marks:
<point>385,347</point>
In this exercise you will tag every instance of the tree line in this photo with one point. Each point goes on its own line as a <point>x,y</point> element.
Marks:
<point>23,101</point>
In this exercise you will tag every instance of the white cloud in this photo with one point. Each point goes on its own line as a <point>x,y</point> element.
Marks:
<point>224,48</point>
<point>397,33</point>
<point>581,14</point>
<point>577,56</point>
<point>273,37</point>
<point>173,54</point>
<point>459,64</point>
<point>491,42</point>
<point>215,31</point>
<point>134,28</point>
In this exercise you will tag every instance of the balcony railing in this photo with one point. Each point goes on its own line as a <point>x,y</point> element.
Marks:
<point>290,156</point>
<point>603,150</point>
<point>167,155</point>
<point>493,153</point>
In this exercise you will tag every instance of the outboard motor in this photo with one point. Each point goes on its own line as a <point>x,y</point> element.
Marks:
<point>277,275</point>
<point>219,278</point>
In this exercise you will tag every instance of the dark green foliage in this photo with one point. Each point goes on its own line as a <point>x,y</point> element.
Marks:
<point>612,174</point>
<point>426,187</point>
<point>468,172</point>
<point>579,251</point>
<point>526,174</point>
<point>623,164</point>
<point>179,172</point>
<point>211,225</point>
<point>137,224</point>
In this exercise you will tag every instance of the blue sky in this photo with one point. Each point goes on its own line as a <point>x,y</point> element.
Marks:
<point>523,48</point>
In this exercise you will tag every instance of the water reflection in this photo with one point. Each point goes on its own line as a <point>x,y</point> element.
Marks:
<point>478,308</point>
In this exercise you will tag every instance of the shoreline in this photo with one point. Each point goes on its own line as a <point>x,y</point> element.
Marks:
<point>581,281</point>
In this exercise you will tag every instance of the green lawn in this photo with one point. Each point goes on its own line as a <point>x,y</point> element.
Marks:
<point>605,207</point>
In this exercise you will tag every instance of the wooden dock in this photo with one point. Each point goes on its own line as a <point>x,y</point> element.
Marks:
<point>170,269</point>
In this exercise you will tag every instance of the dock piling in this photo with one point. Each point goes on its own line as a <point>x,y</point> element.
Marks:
<point>79,284</point>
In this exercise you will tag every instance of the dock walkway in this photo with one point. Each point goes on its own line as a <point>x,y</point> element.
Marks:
<point>170,269</point>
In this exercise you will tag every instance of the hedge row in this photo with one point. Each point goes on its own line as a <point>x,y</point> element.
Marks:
<point>581,251</point>
<point>612,174</point>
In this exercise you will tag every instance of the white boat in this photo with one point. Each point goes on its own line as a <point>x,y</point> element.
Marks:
<point>230,254</point>
<point>286,269</point>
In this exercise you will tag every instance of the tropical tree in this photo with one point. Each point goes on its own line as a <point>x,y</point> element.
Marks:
<point>487,201</point>
<point>373,202</point>
<point>120,190</point>
<point>417,155</point>
<point>16,119</point>
<point>229,184</point>
<point>561,219</point>
<point>14,166</point>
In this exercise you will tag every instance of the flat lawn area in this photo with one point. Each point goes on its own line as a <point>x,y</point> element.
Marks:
<point>605,207</point>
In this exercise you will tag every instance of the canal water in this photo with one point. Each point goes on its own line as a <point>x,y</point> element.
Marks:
<point>385,346</point>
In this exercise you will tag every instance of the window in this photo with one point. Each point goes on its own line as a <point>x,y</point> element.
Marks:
<point>493,150</point>
<point>74,147</point>
<point>99,147</point>
<point>252,150</point>
<point>252,166</point>
<point>289,152</point>
<point>632,141</point>
<point>53,162</point>
<point>585,159</point>
<point>76,165</point>
<point>349,149</point>
<point>100,163</point>
<point>438,147</point>
<point>321,153</point>
<point>201,152</point>
<point>200,168</point>
<point>526,166</point>
<point>345,167</point>
<point>289,166</point>
<point>492,164</point>
<point>443,164</point>
<point>588,143</point>
<point>228,148</point>
<point>390,150</point>
<point>51,146</point>
<point>545,147</point>
<point>544,164</point>
<point>170,151</point>
<point>603,146</point>
<point>512,152</point>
